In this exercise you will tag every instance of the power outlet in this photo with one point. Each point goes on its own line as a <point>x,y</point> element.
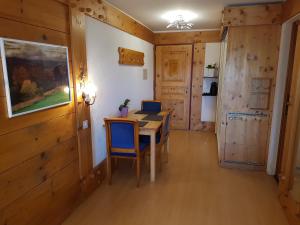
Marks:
<point>145,74</point>
<point>85,124</point>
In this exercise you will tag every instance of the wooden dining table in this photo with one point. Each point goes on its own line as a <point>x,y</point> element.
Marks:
<point>150,129</point>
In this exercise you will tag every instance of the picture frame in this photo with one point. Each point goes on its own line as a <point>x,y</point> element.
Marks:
<point>36,76</point>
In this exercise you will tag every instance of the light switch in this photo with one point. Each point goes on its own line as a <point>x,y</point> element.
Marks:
<point>85,124</point>
<point>145,74</point>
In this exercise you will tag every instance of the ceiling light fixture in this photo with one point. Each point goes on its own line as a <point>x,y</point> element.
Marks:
<point>180,19</point>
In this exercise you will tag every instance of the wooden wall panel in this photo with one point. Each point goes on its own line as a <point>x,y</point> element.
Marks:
<point>187,37</point>
<point>17,30</point>
<point>48,203</point>
<point>17,181</point>
<point>44,153</point>
<point>37,147</point>
<point>197,86</point>
<point>16,123</point>
<point>290,8</point>
<point>47,13</point>
<point>252,52</point>
<point>265,14</point>
<point>25,143</point>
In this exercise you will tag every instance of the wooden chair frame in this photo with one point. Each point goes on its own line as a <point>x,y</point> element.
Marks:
<point>136,148</point>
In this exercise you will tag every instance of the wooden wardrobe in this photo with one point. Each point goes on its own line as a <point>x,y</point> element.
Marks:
<point>247,84</point>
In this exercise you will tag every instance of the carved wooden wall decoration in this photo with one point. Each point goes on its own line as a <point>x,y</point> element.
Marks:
<point>130,57</point>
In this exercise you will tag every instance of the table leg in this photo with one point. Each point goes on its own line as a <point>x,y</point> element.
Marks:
<point>152,157</point>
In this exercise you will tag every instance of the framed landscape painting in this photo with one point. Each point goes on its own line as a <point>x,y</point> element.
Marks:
<point>36,76</point>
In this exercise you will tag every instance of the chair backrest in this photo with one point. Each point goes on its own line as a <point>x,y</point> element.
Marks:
<point>151,106</point>
<point>166,126</point>
<point>122,135</point>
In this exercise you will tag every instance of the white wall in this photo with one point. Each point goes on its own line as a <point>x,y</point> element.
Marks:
<point>279,94</point>
<point>209,103</point>
<point>114,82</point>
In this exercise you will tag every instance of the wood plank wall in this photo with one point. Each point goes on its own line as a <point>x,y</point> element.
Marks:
<point>40,180</point>
<point>252,53</point>
<point>39,175</point>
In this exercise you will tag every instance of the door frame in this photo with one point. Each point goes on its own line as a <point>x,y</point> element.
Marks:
<point>283,126</point>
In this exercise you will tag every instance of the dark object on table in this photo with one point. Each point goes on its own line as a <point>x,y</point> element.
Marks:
<point>151,106</point>
<point>142,123</point>
<point>146,112</point>
<point>152,117</point>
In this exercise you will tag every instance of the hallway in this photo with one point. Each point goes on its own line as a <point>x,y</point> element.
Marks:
<point>191,189</point>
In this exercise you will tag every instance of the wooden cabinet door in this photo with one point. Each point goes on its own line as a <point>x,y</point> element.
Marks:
<point>257,133</point>
<point>173,80</point>
<point>235,146</point>
<point>246,139</point>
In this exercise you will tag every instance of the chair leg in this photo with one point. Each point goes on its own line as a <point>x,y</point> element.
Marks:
<point>167,148</point>
<point>147,161</point>
<point>116,163</point>
<point>138,171</point>
<point>109,175</point>
<point>161,157</point>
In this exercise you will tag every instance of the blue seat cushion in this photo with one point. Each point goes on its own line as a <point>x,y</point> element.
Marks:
<point>143,146</point>
<point>146,138</point>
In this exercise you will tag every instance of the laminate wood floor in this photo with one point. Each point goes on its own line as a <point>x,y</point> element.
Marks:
<point>191,189</point>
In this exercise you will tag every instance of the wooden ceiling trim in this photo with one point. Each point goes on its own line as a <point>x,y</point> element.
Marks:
<point>290,8</point>
<point>265,14</point>
<point>108,14</point>
<point>187,37</point>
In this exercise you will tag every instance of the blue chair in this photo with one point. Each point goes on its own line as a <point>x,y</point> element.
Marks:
<point>122,141</point>
<point>151,106</point>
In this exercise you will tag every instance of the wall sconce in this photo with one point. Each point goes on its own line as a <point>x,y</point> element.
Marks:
<point>88,89</point>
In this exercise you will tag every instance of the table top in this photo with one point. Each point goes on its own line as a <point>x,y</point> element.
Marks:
<point>151,125</point>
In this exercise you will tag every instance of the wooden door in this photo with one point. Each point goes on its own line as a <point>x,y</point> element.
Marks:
<point>292,125</point>
<point>290,176</point>
<point>286,98</point>
<point>173,80</point>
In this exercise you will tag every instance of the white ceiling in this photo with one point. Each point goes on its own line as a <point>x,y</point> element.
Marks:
<point>149,12</point>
